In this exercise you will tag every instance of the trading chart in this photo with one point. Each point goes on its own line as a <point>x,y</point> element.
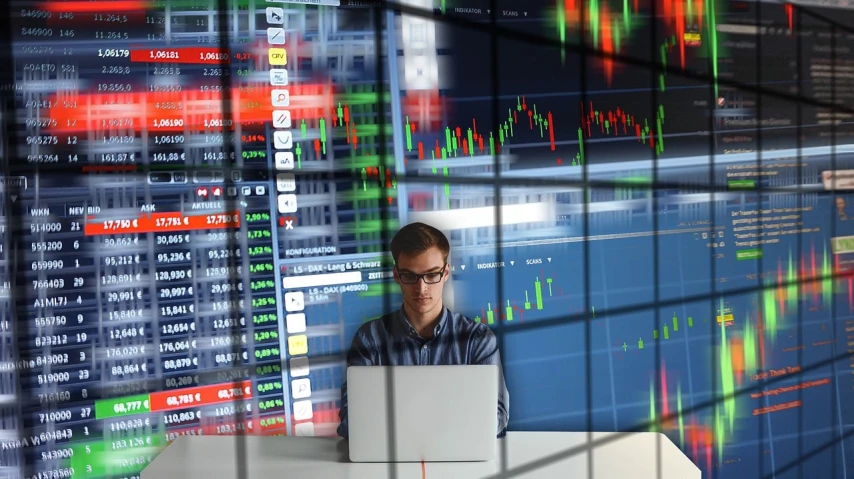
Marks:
<point>672,256</point>
<point>198,198</point>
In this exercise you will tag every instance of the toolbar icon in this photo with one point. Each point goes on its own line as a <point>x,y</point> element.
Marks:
<point>280,97</point>
<point>299,366</point>
<point>283,140</point>
<point>286,222</point>
<point>301,388</point>
<point>288,204</point>
<point>276,36</point>
<point>278,56</point>
<point>286,182</point>
<point>281,119</point>
<point>304,429</point>
<point>278,76</point>
<point>284,160</point>
<point>275,15</point>
<point>297,344</point>
<point>303,410</point>
<point>294,301</point>
<point>296,323</point>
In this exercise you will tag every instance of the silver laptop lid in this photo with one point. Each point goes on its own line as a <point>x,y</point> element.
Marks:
<point>422,413</point>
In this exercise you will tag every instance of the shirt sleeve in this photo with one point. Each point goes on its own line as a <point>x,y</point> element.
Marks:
<point>359,355</point>
<point>485,351</point>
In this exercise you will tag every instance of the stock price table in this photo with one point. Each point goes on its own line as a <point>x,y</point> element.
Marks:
<point>140,298</point>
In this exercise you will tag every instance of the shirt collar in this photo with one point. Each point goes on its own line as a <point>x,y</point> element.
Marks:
<point>440,326</point>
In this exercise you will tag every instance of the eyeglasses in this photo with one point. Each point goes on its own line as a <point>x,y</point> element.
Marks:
<point>412,278</point>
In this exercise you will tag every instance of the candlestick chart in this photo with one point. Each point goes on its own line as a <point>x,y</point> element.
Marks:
<point>740,353</point>
<point>695,435</point>
<point>344,123</point>
<point>528,122</point>
<point>358,141</point>
<point>609,29</point>
<point>688,24</point>
<point>808,283</point>
<point>610,121</point>
<point>705,435</point>
<point>737,335</point>
<point>534,300</point>
<point>536,286</point>
<point>746,336</point>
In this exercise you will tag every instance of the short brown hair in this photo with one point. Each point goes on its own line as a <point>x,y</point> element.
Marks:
<point>416,238</point>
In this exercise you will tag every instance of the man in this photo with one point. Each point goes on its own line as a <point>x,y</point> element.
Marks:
<point>424,332</point>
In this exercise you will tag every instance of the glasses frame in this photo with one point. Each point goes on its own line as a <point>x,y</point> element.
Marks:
<point>422,277</point>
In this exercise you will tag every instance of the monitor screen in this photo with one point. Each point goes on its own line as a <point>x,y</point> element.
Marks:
<point>647,201</point>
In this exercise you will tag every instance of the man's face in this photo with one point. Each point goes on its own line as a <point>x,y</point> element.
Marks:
<point>421,297</point>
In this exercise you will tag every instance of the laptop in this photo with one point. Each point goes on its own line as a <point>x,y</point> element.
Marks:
<point>437,413</point>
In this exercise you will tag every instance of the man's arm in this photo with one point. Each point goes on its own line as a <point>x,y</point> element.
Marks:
<point>359,355</point>
<point>485,351</point>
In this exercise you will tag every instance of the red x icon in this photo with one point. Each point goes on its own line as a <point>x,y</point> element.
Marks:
<point>287,222</point>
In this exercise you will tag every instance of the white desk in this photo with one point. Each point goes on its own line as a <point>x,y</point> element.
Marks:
<point>528,455</point>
